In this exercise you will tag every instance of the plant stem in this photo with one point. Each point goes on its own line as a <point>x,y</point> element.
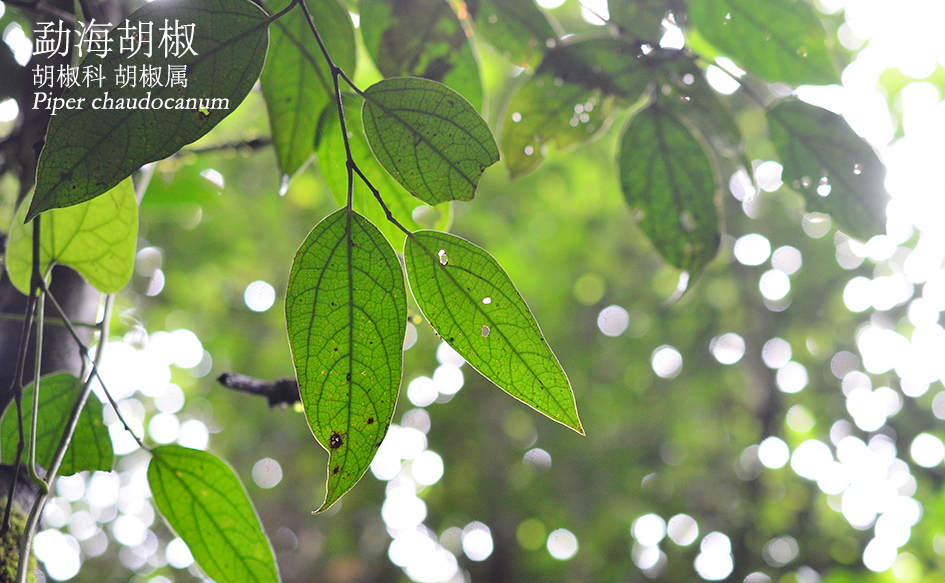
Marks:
<point>350,164</point>
<point>32,522</point>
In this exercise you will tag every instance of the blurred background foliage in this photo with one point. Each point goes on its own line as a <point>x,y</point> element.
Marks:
<point>688,407</point>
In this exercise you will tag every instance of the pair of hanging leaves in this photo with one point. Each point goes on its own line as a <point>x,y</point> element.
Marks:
<point>346,302</point>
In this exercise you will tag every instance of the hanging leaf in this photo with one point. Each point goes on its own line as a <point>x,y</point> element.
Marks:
<point>346,313</point>
<point>780,40</point>
<point>91,447</point>
<point>204,502</point>
<point>570,99</point>
<point>667,178</point>
<point>686,93</point>
<point>428,137</point>
<point>472,304</point>
<point>421,38</point>
<point>97,238</point>
<point>835,170</point>
<point>411,213</point>
<point>296,81</point>
<point>91,149</point>
<point>517,28</point>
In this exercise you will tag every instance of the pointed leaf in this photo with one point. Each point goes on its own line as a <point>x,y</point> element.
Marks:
<point>410,212</point>
<point>428,137</point>
<point>90,448</point>
<point>570,99</point>
<point>204,502</point>
<point>472,304</point>
<point>346,313</point>
<point>835,170</point>
<point>780,40</point>
<point>90,150</point>
<point>296,81</point>
<point>421,38</point>
<point>97,238</point>
<point>667,177</point>
<point>517,28</point>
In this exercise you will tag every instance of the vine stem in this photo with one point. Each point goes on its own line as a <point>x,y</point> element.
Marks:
<point>85,352</point>
<point>16,387</point>
<point>350,164</point>
<point>32,522</point>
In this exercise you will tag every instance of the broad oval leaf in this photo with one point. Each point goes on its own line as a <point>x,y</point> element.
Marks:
<point>472,304</point>
<point>835,170</point>
<point>517,28</point>
<point>296,81</point>
<point>97,238</point>
<point>346,314</point>
<point>421,38</point>
<point>332,163</point>
<point>570,99</point>
<point>430,139</point>
<point>780,40</point>
<point>204,502</point>
<point>91,447</point>
<point>668,178</point>
<point>91,149</point>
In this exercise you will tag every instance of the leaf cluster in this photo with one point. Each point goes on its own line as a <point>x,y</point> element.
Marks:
<point>399,152</point>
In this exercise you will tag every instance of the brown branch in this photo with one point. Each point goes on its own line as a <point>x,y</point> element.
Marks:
<point>280,392</point>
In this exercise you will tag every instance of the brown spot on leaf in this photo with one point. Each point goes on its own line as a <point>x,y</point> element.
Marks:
<point>335,441</point>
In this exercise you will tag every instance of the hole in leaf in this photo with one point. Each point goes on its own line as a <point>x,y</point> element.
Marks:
<point>485,331</point>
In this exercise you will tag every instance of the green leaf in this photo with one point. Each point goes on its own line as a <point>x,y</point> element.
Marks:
<point>90,150</point>
<point>667,177</point>
<point>835,170</point>
<point>472,304</point>
<point>780,40</point>
<point>421,38</point>
<point>687,94</point>
<point>91,446</point>
<point>570,99</point>
<point>643,19</point>
<point>296,81</point>
<point>97,238</point>
<point>517,28</point>
<point>346,313</point>
<point>428,137</point>
<point>411,213</point>
<point>204,502</point>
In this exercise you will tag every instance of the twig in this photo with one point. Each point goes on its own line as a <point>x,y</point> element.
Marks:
<point>33,521</point>
<point>279,392</point>
<point>85,351</point>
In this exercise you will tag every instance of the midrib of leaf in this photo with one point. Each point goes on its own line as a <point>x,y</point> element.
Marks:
<point>493,327</point>
<point>667,157</point>
<point>420,136</point>
<point>176,474</point>
<point>121,119</point>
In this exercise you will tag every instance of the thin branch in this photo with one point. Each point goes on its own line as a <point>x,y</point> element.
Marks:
<point>85,352</point>
<point>33,521</point>
<point>16,386</point>
<point>278,392</point>
<point>377,195</point>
